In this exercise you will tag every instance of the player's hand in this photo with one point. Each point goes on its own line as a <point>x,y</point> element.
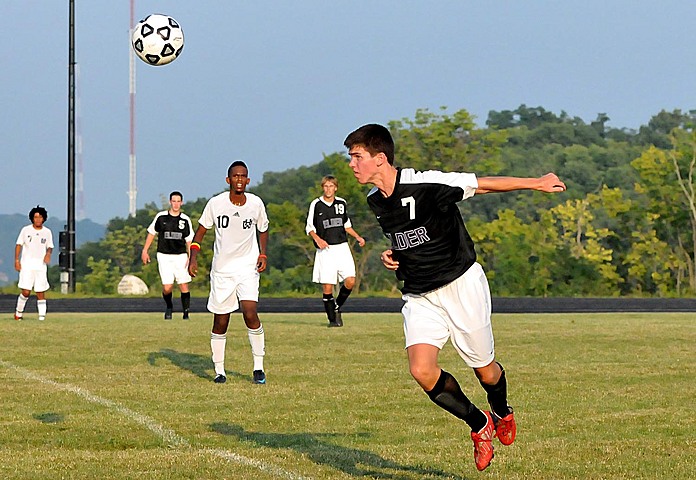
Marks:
<point>145,257</point>
<point>361,241</point>
<point>193,266</point>
<point>388,261</point>
<point>550,183</point>
<point>18,266</point>
<point>261,264</point>
<point>322,244</point>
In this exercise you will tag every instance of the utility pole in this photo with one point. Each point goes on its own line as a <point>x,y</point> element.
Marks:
<point>67,238</point>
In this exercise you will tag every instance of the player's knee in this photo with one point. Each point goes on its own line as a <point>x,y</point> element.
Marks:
<point>424,375</point>
<point>490,374</point>
<point>251,319</point>
<point>349,283</point>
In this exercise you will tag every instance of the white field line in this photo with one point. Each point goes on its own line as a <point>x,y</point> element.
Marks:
<point>169,436</point>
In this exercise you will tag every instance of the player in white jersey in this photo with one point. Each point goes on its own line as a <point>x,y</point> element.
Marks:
<point>174,233</point>
<point>445,291</point>
<point>327,224</point>
<point>34,244</point>
<point>241,235</point>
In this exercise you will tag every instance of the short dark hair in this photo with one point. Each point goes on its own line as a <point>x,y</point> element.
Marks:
<point>40,210</point>
<point>374,138</point>
<point>236,163</point>
<point>176,192</point>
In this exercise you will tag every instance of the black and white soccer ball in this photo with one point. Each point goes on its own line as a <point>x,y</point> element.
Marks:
<point>158,39</point>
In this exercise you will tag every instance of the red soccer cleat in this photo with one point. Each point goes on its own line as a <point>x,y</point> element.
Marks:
<point>483,445</point>
<point>505,427</point>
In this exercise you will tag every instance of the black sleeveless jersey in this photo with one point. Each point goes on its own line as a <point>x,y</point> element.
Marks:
<point>425,227</point>
<point>172,232</point>
<point>329,221</point>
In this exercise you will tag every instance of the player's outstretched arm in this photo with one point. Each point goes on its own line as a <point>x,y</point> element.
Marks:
<point>549,183</point>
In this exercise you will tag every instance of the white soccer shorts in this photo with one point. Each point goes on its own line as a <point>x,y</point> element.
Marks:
<point>333,264</point>
<point>460,311</point>
<point>33,279</point>
<point>226,291</point>
<point>173,267</point>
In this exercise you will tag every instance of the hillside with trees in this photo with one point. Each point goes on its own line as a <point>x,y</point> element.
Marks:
<point>626,226</point>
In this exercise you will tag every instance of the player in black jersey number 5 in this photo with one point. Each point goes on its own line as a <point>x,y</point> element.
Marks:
<point>445,291</point>
<point>174,234</point>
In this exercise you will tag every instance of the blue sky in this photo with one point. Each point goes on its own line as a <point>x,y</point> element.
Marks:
<point>278,84</point>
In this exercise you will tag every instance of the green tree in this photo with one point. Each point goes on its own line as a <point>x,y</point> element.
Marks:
<point>447,142</point>
<point>102,279</point>
<point>668,178</point>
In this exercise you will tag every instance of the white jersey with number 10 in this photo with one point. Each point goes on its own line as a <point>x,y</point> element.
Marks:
<point>236,243</point>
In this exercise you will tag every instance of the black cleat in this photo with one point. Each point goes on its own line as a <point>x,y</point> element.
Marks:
<point>259,377</point>
<point>168,314</point>
<point>339,319</point>
<point>220,378</point>
<point>186,315</point>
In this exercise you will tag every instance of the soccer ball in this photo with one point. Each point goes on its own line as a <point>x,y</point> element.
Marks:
<point>158,39</point>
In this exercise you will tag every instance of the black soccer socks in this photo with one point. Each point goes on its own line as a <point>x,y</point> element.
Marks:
<point>448,395</point>
<point>497,394</point>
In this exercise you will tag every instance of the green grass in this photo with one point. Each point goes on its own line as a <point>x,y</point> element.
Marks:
<point>123,396</point>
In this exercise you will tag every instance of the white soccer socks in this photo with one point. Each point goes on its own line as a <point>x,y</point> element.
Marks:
<point>258,346</point>
<point>41,307</point>
<point>217,345</point>
<point>21,303</point>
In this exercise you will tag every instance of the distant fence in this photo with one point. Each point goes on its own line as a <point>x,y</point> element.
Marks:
<point>364,305</point>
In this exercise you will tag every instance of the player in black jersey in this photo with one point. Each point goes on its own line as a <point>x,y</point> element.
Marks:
<point>445,290</point>
<point>174,234</point>
<point>327,224</point>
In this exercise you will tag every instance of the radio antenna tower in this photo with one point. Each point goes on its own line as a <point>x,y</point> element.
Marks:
<point>132,188</point>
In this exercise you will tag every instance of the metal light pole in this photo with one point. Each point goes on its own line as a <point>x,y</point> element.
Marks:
<point>68,264</point>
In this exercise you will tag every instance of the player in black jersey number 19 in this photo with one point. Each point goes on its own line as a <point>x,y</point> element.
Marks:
<point>328,224</point>
<point>445,291</point>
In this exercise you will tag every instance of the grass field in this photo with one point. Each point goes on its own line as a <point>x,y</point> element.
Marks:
<point>124,396</point>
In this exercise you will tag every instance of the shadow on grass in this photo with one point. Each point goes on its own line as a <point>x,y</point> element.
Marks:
<point>200,365</point>
<point>352,461</point>
<point>49,417</point>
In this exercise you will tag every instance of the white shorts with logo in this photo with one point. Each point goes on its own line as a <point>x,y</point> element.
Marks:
<point>173,267</point>
<point>226,291</point>
<point>34,279</point>
<point>333,264</point>
<point>460,311</point>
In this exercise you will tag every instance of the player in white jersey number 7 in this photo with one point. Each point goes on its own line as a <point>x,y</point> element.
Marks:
<point>241,235</point>
<point>445,291</point>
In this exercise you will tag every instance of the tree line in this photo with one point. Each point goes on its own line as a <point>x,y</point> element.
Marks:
<point>626,226</point>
